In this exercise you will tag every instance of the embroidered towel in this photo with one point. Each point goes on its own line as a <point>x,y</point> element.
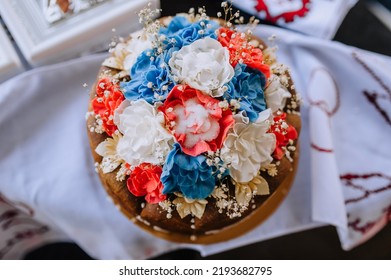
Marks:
<point>319,18</point>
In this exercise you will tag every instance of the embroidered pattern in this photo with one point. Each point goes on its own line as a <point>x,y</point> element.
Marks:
<point>286,10</point>
<point>17,225</point>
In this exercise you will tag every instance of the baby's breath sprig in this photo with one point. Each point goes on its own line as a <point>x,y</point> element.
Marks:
<point>191,14</point>
<point>250,26</point>
<point>252,23</point>
<point>229,15</point>
<point>147,17</point>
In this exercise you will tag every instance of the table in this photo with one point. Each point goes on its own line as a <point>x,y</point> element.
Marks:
<point>360,29</point>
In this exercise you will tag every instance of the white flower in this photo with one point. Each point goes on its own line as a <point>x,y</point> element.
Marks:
<point>203,65</point>
<point>125,54</point>
<point>145,138</point>
<point>276,94</point>
<point>244,192</point>
<point>108,150</point>
<point>139,43</point>
<point>248,146</point>
<point>186,206</point>
<point>116,61</point>
<point>198,124</point>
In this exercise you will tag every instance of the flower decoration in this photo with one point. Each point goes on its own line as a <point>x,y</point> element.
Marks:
<point>109,97</point>
<point>150,77</point>
<point>117,60</point>
<point>108,150</point>
<point>125,53</point>
<point>187,206</point>
<point>276,94</point>
<point>203,65</point>
<point>196,118</point>
<point>181,32</point>
<point>284,133</point>
<point>197,121</point>
<point>176,25</point>
<point>244,192</point>
<point>247,86</point>
<point>249,146</point>
<point>189,175</point>
<point>241,51</point>
<point>145,181</point>
<point>139,43</point>
<point>145,140</point>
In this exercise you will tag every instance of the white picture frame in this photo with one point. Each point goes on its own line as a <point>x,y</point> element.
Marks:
<point>10,63</point>
<point>90,31</point>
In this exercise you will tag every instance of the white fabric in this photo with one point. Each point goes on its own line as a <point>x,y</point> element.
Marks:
<point>46,163</point>
<point>321,20</point>
<point>348,135</point>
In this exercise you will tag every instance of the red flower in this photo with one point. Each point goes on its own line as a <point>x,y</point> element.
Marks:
<point>241,51</point>
<point>284,133</point>
<point>145,181</point>
<point>109,97</point>
<point>198,123</point>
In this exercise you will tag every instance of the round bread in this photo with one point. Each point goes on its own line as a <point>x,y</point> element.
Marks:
<point>233,208</point>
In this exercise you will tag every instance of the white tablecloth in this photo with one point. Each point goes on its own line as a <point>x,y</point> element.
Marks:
<point>319,18</point>
<point>50,191</point>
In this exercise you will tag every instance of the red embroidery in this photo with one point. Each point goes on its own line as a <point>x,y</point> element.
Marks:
<point>349,181</point>
<point>320,149</point>
<point>372,73</point>
<point>21,236</point>
<point>13,214</point>
<point>330,110</point>
<point>374,97</point>
<point>323,105</point>
<point>287,16</point>
<point>19,205</point>
<point>363,229</point>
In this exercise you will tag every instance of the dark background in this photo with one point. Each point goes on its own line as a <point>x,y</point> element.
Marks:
<point>360,29</point>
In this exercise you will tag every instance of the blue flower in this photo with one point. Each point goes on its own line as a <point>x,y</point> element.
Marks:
<point>176,24</point>
<point>150,78</point>
<point>150,75</point>
<point>190,175</point>
<point>180,32</point>
<point>247,86</point>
